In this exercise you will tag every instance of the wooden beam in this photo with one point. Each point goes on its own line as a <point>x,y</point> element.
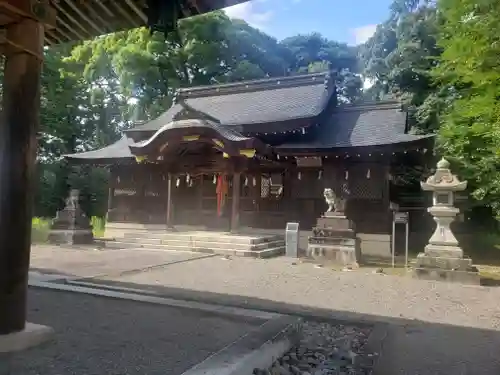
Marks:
<point>84,17</point>
<point>137,11</point>
<point>235,208</point>
<point>18,143</point>
<point>86,34</point>
<point>170,222</point>
<point>40,11</point>
<point>125,15</point>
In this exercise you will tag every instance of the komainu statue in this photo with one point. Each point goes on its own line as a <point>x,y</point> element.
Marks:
<point>332,200</point>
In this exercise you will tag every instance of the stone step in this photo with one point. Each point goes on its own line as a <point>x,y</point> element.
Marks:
<point>261,253</point>
<point>204,236</point>
<point>204,244</point>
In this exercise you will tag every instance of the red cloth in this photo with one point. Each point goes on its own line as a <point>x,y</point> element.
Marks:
<point>221,191</point>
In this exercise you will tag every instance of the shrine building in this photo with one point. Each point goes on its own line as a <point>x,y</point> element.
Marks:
<point>259,154</point>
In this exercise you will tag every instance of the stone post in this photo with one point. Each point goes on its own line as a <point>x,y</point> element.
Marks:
<point>443,259</point>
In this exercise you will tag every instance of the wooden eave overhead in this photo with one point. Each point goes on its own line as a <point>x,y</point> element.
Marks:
<point>74,20</point>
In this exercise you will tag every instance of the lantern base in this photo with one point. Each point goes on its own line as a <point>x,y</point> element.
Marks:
<point>444,267</point>
<point>451,276</point>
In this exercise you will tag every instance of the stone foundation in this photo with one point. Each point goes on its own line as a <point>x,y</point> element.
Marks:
<point>462,277</point>
<point>32,335</point>
<point>438,266</point>
<point>334,239</point>
<point>71,237</point>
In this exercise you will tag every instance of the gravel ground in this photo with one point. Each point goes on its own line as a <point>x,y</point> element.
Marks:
<point>326,349</point>
<point>435,328</point>
<point>280,281</point>
<point>101,336</point>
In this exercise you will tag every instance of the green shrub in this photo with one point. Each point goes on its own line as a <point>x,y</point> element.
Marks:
<point>40,228</point>
<point>98,225</point>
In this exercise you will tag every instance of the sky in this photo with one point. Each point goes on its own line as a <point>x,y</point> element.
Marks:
<point>352,21</point>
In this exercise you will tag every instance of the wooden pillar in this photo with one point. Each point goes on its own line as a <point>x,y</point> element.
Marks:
<point>235,209</point>
<point>111,195</point>
<point>199,195</point>
<point>18,129</point>
<point>170,223</point>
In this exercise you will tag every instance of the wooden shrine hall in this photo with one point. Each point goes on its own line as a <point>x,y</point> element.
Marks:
<point>29,26</point>
<point>258,154</point>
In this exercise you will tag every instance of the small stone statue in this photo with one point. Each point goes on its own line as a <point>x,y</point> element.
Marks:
<point>72,200</point>
<point>334,203</point>
<point>71,225</point>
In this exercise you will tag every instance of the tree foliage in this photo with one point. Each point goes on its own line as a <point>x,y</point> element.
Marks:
<point>441,59</point>
<point>469,71</point>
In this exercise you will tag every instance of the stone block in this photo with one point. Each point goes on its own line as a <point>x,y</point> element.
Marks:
<point>336,222</point>
<point>71,236</point>
<point>344,255</point>
<point>333,241</point>
<point>446,263</point>
<point>328,232</point>
<point>463,277</point>
<point>443,251</point>
<point>32,335</point>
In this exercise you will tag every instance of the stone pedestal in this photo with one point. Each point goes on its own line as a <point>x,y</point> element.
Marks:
<point>32,335</point>
<point>71,225</point>
<point>334,239</point>
<point>443,259</point>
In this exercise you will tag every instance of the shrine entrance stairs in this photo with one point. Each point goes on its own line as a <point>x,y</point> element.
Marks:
<point>203,241</point>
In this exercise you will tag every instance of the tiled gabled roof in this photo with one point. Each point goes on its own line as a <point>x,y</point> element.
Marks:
<point>224,132</point>
<point>115,152</point>
<point>245,105</point>
<point>362,125</point>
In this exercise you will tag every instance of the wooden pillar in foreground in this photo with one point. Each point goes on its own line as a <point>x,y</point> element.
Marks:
<point>18,128</point>
<point>170,223</point>
<point>235,209</point>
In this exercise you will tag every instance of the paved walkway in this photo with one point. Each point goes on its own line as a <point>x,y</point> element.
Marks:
<point>435,327</point>
<point>77,263</point>
<point>107,336</point>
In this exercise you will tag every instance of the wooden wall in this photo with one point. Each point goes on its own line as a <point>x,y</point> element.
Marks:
<point>139,194</point>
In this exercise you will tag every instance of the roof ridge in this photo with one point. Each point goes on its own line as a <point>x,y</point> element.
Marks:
<point>371,105</point>
<point>257,85</point>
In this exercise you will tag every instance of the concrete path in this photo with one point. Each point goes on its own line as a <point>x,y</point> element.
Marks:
<point>78,263</point>
<point>106,336</point>
<point>430,349</point>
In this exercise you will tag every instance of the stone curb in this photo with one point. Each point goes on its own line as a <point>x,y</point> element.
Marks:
<point>258,349</point>
<point>134,296</point>
<point>333,317</point>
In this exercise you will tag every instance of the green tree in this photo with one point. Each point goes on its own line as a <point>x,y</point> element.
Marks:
<point>399,59</point>
<point>313,52</point>
<point>469,69</point>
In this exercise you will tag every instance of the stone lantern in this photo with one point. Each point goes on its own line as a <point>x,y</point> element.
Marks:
<point>443,259</point>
